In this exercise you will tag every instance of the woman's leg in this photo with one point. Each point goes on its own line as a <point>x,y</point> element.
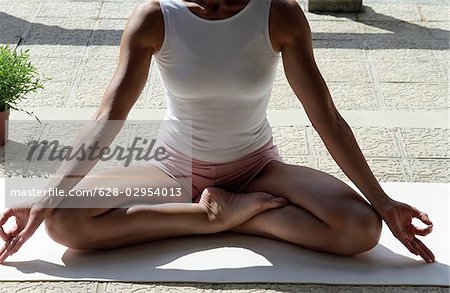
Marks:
<point>324,213</point>
<point>100,228</point>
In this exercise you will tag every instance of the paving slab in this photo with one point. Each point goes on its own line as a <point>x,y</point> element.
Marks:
<point>414,96</point>
<point>76,10</point>
<point>434,12</point>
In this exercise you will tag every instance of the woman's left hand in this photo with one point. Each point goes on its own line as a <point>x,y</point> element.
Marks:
<point>398,216</point>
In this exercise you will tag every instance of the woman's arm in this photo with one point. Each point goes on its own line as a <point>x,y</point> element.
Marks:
<point>139,40</point>
<point>310,88</point>
<point>136,49</point>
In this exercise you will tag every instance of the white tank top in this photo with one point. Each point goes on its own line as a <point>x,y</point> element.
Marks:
<point>218,77</point>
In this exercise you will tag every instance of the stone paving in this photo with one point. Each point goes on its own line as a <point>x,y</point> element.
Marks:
<point>387,69</point>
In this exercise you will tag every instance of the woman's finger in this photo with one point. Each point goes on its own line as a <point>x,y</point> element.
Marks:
<point>17,244</point>
<point>421,251</point>
<point>3,219</point>
<point>4,246</point>
<point>408,245</point>
<point>5,216</point>
<point>425,249</point>
<point>422,216</point>
<point>6,249</point>
<point>5,236</point>
<point>423,231</point>
<point>24,235</point>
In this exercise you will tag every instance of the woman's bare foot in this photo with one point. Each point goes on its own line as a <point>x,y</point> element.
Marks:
<point>231,209</point>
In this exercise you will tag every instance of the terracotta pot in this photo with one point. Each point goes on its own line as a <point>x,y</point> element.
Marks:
<point>4,116</point>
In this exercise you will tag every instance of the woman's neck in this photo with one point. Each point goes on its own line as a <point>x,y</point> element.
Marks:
<point>214,6</point>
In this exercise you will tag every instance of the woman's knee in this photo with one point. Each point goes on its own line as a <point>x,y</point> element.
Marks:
<point>356,229</point>
<point>70,227</point>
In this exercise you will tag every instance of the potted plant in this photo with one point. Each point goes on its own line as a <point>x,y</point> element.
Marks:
<point>18,77</point>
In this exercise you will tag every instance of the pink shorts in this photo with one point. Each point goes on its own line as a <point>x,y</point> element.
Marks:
<point>232,176</point>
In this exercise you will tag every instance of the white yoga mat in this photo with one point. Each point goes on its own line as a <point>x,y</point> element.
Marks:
<point>233,258</point>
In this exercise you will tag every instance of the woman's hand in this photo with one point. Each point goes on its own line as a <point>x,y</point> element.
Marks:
<point>28,218</point>
<point>398,216</point>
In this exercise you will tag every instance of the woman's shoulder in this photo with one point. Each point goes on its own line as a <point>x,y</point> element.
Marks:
<point>287,20</point>
<point>148,13</point>
<point>285,12</point>
<point>148,20</point>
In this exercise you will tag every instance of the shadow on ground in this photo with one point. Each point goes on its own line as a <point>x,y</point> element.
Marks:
<point>23,32</point>
<point>191,259</point>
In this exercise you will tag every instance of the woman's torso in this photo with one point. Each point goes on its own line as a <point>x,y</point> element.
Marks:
<point>218,76</point>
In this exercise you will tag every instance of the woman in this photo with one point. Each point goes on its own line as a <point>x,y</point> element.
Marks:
<point>217,59</point>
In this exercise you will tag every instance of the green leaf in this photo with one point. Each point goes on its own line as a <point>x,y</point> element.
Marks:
<point>18,77</point>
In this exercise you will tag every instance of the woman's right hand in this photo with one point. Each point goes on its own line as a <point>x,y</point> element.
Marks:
<point>28,218</point>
